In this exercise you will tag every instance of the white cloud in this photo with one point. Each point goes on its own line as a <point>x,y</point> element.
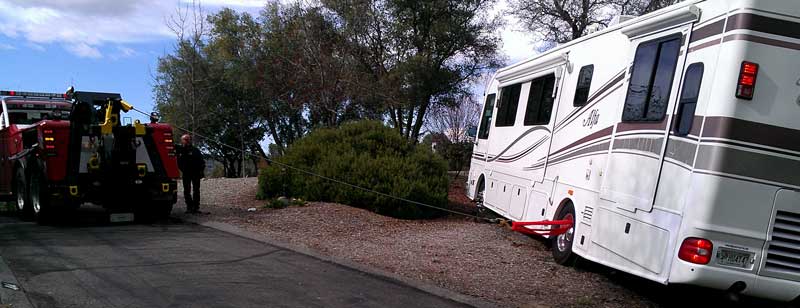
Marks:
<point>242,3</point>
<point>84,50</point>
<point>84,27</point>
<point>4,46</point>
<point>123,52</point>
<point>518,44</point>
<point>35,46</point>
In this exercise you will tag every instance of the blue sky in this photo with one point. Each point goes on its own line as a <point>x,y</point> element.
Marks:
<point>112,45</point>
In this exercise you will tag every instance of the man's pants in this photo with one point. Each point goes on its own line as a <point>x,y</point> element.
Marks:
<point>191,193</point>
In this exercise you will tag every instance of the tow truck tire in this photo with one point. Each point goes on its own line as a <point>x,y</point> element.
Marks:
<point>23,200</point>
<point>158,211</point>
<point>562,244</point>
<point>38,198</point>
<point>162,210</point>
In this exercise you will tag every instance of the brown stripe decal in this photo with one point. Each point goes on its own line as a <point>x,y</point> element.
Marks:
<point>752,132</point>
<point>596,135</point>
<point>592,100</point>
<point>681,150</point>
<point>762,40</point>
<point>753,22</point>
<point>704,45</point>
<point>651,145</point>
<point>532,129</point>
<point>708,31</point>
<point>629,126</point>
<point>764,24</point>
<point>749,164</point>
<point>697,124</point>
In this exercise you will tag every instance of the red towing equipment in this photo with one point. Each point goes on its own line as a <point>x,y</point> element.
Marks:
<point>58,151</point>
<point>557,227</point>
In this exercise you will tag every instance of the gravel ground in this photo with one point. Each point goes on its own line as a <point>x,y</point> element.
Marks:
<point>478,259</point>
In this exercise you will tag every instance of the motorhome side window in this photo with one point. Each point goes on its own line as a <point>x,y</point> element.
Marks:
<point>688,102</point>
<point>540,101</point>
<point>486,119</point>
<point>507,110</point>
<point>582,89</point>
<point>651,80</point>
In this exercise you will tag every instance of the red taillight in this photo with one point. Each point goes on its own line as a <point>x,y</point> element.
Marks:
<point>696,250</point>
<point>747,80</point>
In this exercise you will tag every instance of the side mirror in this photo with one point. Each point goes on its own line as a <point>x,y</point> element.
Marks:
<point>472,131</point>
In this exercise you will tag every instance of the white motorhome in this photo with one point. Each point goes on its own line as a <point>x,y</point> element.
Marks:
<point>672,141</point>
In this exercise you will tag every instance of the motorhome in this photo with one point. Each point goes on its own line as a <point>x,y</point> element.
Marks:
<point>671,141</point>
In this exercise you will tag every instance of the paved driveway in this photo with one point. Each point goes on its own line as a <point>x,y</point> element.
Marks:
<point>175,264</point>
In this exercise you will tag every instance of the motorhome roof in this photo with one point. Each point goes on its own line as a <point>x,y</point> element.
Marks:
<point>602,32</point>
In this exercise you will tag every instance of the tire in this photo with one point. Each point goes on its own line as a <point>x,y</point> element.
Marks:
<point>161,210</point>
<point>39,197</point>
<point>562,244</point>
<point>158,211</point>
<point>21,195</point>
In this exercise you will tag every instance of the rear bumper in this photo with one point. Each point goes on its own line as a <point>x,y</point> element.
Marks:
<point>162,190</point>
<point>723,278</point>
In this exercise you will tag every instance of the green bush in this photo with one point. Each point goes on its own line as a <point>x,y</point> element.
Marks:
<point>367,154</point>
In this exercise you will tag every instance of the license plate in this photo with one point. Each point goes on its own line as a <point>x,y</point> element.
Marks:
<point>735,258</point>
<point>121,217</point>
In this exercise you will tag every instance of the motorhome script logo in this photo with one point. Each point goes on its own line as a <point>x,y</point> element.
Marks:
<point>591,120</point>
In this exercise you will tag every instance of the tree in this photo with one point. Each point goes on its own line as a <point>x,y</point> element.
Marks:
<point>455,121</point>
<point>560,21</point>
<point>641,7</point>
<point>423,54</point>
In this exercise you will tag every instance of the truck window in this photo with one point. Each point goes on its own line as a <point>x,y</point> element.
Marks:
<point>540,101</point>
<point>31,116</point>
<point>688,101</point>
<point>486,119</point>
<point>582,89</point>
<point>651,80</point>
<point>507,110</point>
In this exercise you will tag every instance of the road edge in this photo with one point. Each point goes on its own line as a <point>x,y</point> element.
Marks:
<point>419,285</point>
<point>10,297</point>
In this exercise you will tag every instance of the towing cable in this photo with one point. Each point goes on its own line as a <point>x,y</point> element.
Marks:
<point>561,226</point>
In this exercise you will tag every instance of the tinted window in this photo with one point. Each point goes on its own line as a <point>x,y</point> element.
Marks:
<point>486,119</point>
<point>582,89</point>
<point>507,111</point>
<point>651,80</point>
<point>688,101</point>
<point>540,101</point>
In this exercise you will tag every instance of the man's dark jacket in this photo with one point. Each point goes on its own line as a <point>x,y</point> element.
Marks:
<point>191,162</point>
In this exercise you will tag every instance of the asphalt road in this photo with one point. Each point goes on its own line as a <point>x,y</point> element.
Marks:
<point>174,264</point>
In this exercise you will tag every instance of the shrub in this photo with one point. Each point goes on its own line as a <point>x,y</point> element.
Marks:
<point>366,154</point>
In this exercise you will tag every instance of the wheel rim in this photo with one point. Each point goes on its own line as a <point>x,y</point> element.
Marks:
<point>20,195</point>
<point>37,206</point>
<point>564,241</point>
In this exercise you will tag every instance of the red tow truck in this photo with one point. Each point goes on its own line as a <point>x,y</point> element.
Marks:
<point>59,151</point>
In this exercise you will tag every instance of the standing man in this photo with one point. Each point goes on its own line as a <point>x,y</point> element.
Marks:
<point>192,166</point>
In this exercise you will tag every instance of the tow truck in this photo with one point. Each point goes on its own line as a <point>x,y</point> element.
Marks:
<point>59,151</point>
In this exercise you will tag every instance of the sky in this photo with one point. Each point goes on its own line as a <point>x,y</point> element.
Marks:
<point>114,45</point>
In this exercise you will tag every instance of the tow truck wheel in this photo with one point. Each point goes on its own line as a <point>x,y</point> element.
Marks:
<point>162,210</point>
<point>38,197</point>
<point>562,244</point>
<point>21,193</point>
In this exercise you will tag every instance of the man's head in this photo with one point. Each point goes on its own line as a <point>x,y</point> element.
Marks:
<point>186,139</point>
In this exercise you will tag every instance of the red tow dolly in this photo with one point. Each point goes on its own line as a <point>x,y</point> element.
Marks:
<point>556,227</point>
